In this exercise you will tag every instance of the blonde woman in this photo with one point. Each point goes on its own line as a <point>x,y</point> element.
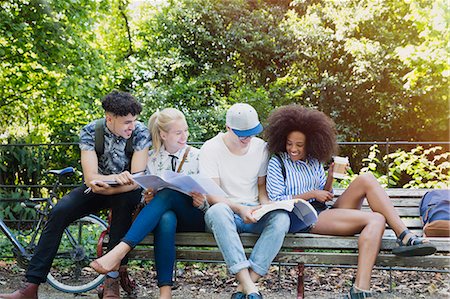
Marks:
<point>167,211</point>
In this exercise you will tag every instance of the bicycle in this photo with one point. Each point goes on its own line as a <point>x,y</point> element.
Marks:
<point>70,271</point>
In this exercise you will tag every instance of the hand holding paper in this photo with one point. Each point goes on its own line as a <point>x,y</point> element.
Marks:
<point>180,182</point>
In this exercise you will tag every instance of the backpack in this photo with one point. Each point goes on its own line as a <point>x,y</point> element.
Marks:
<point>100,125</point>
<point>283,168</point>
<point>435,213</point>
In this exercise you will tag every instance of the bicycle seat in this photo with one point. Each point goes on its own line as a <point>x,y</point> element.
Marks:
<point>64,171</point>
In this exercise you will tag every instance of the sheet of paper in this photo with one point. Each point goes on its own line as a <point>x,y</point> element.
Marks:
<point>180,182</point>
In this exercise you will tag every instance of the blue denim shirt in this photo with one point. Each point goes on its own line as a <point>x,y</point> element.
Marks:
<point>114,159</point>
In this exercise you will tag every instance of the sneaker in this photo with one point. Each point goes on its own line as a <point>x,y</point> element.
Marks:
<point>255,296</point>
<point>238,295</point>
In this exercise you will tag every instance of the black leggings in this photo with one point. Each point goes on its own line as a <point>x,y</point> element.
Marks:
<point>71,207</point>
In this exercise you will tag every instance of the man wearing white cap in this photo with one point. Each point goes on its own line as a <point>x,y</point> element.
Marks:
<point>237,161</point>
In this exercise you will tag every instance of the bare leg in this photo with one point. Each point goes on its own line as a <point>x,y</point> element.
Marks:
<point>367,186</point>
<point>246,284</point>
<point>254,277</point>
<point>347,222</point>
<point>165,292</point>
<point>111,260</point>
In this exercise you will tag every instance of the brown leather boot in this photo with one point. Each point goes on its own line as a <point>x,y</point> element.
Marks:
<point>26,291</point>
<point>111,288</point>
<point>127,284</point>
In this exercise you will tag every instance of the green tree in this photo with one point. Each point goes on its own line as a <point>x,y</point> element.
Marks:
<point>51,74</point>
<point>346,58</point>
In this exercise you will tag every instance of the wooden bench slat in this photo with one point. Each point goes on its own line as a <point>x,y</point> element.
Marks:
<point>401,202</point>
<point>395,192</point>
<point>296,241</point>
<point>433,261</point>
<point>402,211</point>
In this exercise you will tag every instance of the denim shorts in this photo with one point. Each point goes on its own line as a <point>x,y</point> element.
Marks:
<point>297,226</point>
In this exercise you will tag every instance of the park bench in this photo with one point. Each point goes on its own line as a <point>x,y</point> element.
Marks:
<point>311,249</point>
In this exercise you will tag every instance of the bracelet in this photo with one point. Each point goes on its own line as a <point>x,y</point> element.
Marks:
<point>204,206</point>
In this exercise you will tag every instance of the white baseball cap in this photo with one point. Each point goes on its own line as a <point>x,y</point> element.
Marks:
<point>243,120</point>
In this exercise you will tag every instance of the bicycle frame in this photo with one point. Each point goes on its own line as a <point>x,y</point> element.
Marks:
<point>12,238</point>
<point>76,253</point>
<point>25,251</point>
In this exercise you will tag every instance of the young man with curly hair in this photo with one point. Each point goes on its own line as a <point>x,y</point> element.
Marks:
<point>114,164</point>
<point>305,139</point>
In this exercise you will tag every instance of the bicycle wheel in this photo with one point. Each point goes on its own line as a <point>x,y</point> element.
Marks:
<point>70,271</point>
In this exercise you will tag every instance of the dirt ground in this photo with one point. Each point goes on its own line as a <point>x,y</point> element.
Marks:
<point>211,281</point>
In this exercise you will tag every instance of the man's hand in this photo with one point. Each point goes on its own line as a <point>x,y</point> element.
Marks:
<point>246,213</point>
<point>99,187</point>
<point>124,178</point>
<point>197,199</point>
<point>148,195</point>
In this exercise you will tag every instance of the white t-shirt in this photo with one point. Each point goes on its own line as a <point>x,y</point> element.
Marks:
<point>238,175</point>
<point>161,162</point>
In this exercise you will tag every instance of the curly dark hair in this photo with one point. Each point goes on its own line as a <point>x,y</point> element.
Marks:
<point>319,130</point>
<point>121,103</point>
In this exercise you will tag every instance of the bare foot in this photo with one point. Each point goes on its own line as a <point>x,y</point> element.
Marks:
<point>103,265</point>
<point>111,261</point>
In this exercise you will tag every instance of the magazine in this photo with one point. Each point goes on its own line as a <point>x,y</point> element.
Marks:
<point>179,182</point>
<point>301,208</point>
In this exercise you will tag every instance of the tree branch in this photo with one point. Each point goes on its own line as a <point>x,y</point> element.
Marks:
<point>127,26</point>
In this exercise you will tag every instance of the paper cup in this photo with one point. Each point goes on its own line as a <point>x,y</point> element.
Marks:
<point>340,167</point>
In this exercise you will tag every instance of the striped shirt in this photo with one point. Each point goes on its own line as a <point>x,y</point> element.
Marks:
<point>301,177</point>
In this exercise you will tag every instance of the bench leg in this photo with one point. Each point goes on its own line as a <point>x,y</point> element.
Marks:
<point>300,281</point>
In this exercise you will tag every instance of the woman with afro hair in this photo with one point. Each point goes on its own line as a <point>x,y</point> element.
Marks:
<point>304,139</point>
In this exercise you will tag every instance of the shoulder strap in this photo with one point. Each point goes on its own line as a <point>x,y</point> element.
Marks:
<point>100,137</point>
<point>186,152</point>
<point>283,168</point>
<point>129,146</point>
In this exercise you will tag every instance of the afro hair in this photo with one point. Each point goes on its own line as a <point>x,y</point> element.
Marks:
<point>319,130</point>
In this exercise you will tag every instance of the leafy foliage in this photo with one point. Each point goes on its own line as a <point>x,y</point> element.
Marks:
<point>342,57</point>
<point>380,69</point>
<point>417,168</point>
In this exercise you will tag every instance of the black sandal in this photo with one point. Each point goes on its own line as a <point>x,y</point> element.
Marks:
<point>415,246</point>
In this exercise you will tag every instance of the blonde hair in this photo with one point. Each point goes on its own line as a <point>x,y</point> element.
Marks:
<point>161,121</point>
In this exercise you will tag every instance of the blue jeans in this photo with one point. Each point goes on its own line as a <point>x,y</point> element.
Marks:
<point>226,226</point>
<point>169,211</point>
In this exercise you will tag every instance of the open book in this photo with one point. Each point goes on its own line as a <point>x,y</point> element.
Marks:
<point>301,208</point>
<point>179,182</point>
